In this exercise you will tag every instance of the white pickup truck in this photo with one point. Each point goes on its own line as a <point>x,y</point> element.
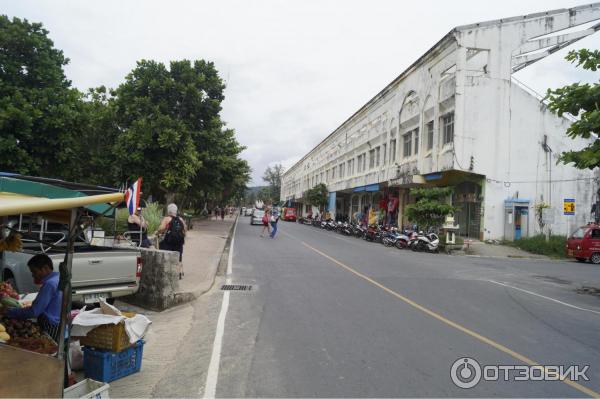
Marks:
<point>98,272</point>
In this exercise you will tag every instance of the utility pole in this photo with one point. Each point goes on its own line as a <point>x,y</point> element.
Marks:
<point>548,152</point>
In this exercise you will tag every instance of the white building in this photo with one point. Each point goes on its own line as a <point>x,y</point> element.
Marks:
<point>457,117</point>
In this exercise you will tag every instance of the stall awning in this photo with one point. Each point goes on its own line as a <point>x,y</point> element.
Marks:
<point>41,187</point>
<point>14,204</point>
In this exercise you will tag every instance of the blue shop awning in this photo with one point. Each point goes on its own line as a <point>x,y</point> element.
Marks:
<point>369,188</point>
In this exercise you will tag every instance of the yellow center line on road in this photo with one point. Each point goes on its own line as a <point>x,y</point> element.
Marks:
<point>457,326</point>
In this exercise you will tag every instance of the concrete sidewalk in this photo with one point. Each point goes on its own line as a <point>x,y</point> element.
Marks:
<point>172,328</point>
<point>202,252</point>
<point>483,249</point>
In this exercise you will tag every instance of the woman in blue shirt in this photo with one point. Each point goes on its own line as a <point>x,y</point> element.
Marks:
<point>47,304</point>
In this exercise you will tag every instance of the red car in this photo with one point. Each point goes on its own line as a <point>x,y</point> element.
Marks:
<point>289,215</point>
<point>584,244</point>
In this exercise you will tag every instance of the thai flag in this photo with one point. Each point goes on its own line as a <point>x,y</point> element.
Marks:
<point>132,196</point>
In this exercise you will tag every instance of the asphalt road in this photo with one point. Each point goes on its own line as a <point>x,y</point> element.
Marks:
<point>334,316</point>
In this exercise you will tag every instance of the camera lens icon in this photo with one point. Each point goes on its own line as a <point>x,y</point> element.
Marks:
<point>465,372</point>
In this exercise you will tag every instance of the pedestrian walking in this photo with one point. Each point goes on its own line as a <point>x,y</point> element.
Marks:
<point>223,213</point>
<point>174,230</point>
<point>216,212</point>
<point>265,221</point>
<point>274,220</point>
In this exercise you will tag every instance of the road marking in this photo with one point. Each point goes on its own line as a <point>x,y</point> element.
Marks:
<point>212,375</point>
<point>457,326</point>
<point>543,296</point>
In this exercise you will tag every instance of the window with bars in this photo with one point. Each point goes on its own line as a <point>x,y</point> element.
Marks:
<point>377,155</point>
<point>364,161</point>
<point>393,150</point>
<point>416,136</point>
<point>407,144</point>
<point>341,171</point>
<point>448,127</point>
<point>360,163</point>
<point>430,135</point>
<point>371,159</point>
<point>384,151</point>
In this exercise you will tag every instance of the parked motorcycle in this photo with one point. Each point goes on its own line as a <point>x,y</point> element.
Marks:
<point>427,243</point>
<point>358,231</point>
<point>403,239</point>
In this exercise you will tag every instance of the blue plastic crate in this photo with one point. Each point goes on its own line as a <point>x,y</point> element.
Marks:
<point>107,366</point>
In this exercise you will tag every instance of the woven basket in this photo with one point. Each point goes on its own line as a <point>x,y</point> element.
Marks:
<point>108,336</point>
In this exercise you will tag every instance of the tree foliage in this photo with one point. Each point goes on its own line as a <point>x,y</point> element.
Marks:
<point>272,176</point>
<point>431,206</point>
<point>582,101</point>
<point>318,195</point>
<point>39,111</point>
<point>162,123</point>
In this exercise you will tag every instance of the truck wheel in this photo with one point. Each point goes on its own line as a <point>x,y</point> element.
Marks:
<point>595,258</point>
<point>580,260</point>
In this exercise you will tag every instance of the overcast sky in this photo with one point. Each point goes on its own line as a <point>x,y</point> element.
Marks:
<point>295,70</point>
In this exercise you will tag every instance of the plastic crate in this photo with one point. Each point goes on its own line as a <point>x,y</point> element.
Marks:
<point>107,366</point>
<point>87,389</point>
<point>108,336</point>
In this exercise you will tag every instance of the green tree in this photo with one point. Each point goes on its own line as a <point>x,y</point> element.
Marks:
<point>264,195</point>
<point>154,140</point>
<point>431,206</point>
<point>317,196</point>
<point>272,176</point>
<point>39,111</point>
<point>94,160</point>
<point>583,101</point>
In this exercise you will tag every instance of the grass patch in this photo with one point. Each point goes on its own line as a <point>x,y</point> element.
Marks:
<point>554,248</point>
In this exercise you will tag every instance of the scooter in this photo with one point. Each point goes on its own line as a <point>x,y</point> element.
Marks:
<point>427,243</point>
<point>346,229</point>
<point>390,237</point>
<point>358,231</point>
<point>402,240</point>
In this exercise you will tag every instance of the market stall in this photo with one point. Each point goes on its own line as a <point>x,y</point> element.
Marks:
<point>31,365</point>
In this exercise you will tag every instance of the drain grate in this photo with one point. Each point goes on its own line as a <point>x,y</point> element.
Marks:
<point>236,287</point>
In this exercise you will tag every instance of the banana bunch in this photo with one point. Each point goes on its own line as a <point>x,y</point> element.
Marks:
<point>3,334</point>
<point>11,243</point>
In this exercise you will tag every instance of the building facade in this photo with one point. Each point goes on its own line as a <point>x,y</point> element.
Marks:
<point>457,117</point>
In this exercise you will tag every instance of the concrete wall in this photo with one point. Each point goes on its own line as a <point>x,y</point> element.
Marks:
<point>159,282</point>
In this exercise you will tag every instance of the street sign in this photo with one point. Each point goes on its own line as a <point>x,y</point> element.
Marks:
<point>548,216</point>
<point>569,206</point>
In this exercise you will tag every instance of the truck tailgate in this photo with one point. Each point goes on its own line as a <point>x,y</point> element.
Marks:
<point>104,268</point>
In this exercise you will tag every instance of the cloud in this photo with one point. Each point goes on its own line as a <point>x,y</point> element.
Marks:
<point>294,70</point>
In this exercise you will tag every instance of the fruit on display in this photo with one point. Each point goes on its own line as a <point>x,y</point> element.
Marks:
<point>12,243</point>
<point>2,328</point>
<point>10,302</point>
<point>4,336</point>
<point>7,291</point>
<point>21,328</point>
<point>44,344</point>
